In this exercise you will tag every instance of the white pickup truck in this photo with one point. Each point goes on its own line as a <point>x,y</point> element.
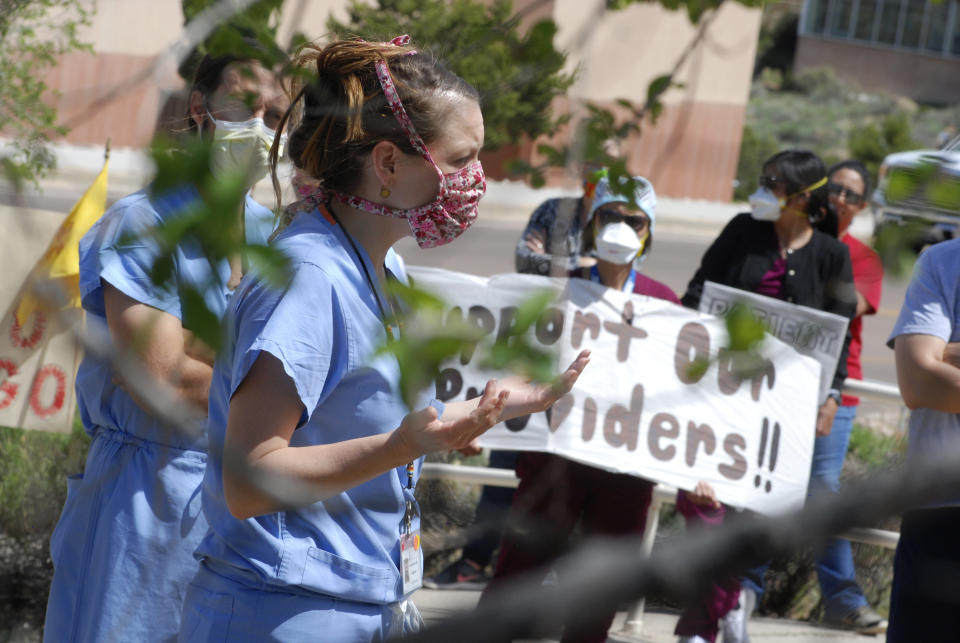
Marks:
<point>921,187</point>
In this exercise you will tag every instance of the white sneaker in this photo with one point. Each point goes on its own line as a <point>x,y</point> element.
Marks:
<point>733,626</point>
<point>692,639</point>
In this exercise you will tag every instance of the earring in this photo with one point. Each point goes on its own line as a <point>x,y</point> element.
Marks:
<point>384,192</point>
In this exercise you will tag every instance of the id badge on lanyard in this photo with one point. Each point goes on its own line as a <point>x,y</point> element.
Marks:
<point>411,566</point>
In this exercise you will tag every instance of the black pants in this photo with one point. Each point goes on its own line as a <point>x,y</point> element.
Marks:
<point>925,600</point>
<point>491,513</point>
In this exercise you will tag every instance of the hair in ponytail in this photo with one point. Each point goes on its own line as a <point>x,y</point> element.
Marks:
<point>339,113</point>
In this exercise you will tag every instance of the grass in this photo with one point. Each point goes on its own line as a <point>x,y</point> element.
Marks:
<point>875,450</point>
<point>33,470</point>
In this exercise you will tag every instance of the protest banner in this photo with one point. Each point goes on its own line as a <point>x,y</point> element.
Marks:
<point>810,331</point>
<point>639,407</point>
<point>39,354</point>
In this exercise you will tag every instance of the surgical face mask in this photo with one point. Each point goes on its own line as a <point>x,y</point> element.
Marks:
<point>243,147</point>
<point>765,206</point>
<point>619,244</point>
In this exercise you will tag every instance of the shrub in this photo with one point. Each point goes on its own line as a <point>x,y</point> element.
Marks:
<point>754,150</point>
<point>517,74</point>
<point>872,142</point>
<point>33,471</point>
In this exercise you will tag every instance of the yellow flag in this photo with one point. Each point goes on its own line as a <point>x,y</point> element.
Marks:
<point>61,261</point>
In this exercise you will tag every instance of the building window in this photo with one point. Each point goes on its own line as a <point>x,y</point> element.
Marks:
<point>817,16</point>
<point>840,17</point>
<point>912,24</point>
<point>889,22</point>
<point>865,18</point>
<point>920,25</point>
<point>937,15</point>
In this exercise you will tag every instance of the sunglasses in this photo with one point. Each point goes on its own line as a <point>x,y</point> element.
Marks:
<point>636,221</point>
<point>851,197</point>
<point>770,182</point>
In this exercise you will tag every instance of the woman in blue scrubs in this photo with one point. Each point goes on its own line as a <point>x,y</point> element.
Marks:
<point>123,548</point>
<point>300,391</point>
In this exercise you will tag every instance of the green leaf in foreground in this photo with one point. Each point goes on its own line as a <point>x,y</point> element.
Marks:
<point>745,329</point>
<point>428,339</point>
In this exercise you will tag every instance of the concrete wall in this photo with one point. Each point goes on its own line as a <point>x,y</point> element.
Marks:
<point>928,79</point>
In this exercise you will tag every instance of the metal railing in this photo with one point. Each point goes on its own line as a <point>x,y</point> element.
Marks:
<point>664,494</point>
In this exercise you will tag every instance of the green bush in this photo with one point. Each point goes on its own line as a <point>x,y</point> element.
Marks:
<point>518,74</point>
<point>872,142</point>
<point>33,469</point>
<point>754,150</point>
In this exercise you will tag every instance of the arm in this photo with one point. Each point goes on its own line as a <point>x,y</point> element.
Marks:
<point>715,261</point>
<point>868,279</point>
<point>926,378</point>
<point>161,344</point>
<point>531,254</point>
<point>265,410</point>
<point>543,237</point>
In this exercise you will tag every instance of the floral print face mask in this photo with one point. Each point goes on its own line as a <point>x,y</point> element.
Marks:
<point>455,207</point>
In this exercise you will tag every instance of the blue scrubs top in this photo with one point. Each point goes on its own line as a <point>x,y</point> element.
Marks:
<point>123,547</point>
<point>115,251</point>
<point>324,328</point>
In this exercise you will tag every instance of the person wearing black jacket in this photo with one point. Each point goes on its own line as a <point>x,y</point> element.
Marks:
<point>778,249</point>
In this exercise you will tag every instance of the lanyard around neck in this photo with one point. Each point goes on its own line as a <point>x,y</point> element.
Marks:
<point>383,314</point>
<point>628,285</point>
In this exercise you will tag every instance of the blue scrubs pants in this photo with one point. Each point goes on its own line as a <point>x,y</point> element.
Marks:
<point>220,609</point>
<point>123,549</point>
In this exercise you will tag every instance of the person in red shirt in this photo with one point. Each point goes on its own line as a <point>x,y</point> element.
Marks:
<point>844,602</point>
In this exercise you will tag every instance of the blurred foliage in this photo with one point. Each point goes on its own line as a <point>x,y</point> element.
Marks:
<point>754,150</point>
<point>33,468</point>
<point>431,335</point>
<point>33,33</point>
<point>695,8</point>
<point>875,450</point>
<point>517,73</point>
<point>596,138</point>
<point>250,34</point>
<point>213,221</point>
<point>872,142</point>
<point>745,329</point>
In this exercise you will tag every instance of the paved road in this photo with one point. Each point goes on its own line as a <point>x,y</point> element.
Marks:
<point>487,248</point>
<point>658,624</point>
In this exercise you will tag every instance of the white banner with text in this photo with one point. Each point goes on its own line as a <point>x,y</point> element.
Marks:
<point>642,406</point>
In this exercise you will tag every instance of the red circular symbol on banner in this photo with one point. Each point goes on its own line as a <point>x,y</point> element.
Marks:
<point>39,325</point>
<point>8,390</point>
<point>61,381</point>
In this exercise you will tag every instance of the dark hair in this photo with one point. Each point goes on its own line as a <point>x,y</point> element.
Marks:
<point>856,166</point>
<point>800,169</point>
<point>342,112</point>
<point>207,74</point>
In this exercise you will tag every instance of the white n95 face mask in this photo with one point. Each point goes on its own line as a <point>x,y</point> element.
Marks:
<point>764,205</point>
<point>243,147</point>
<point>618,243</point>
